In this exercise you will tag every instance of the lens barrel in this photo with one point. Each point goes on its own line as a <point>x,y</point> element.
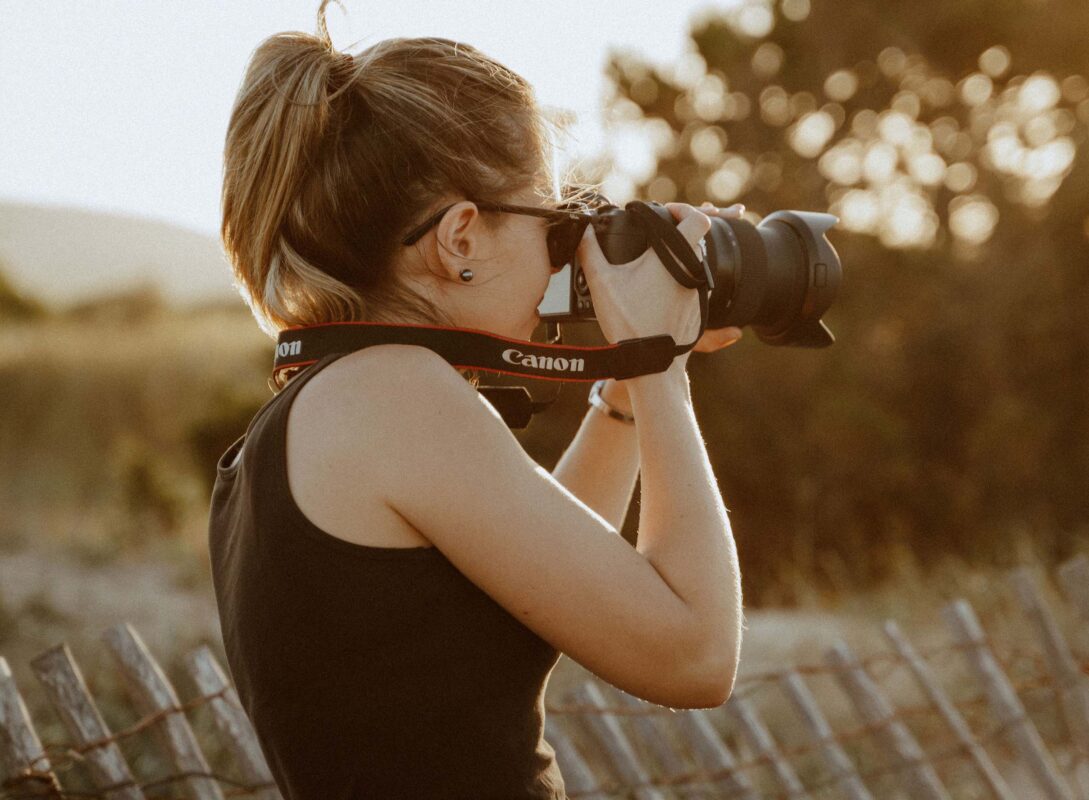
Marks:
<point>779,276</point>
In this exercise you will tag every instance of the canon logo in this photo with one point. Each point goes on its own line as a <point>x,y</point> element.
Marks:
<point>289,348</point>
<point>512,356</point>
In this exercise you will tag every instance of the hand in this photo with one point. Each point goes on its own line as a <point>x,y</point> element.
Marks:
<point>713,340</point>
<point>640,298</point>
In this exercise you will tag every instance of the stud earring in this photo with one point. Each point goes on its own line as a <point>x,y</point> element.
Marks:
<point>466,275</point>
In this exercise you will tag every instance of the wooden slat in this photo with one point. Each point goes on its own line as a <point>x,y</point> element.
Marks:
<point>578,778</point>
<point>842,768</point>
<point>614,742</point>
<point>1005,704</point>
<point>1074,578</point>
<point>761,741</point>
<point>647,731</point>
<point>24,767</point>
<point>63,682</point>
<point>920,779</point>
<point>712,754</point>
<point>210,679</point>
<point>1072,686</point>
<point>152,693</point>
<point>995,782</point>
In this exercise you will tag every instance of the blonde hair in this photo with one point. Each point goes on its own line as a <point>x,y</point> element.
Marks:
<point>330,159</point>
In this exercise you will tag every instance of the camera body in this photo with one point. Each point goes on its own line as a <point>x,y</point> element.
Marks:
<point>779,276</point>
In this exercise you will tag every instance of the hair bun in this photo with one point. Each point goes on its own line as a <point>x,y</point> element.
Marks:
<point>342,70</point>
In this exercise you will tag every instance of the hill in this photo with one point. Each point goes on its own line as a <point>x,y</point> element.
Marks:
<point>66,255</point>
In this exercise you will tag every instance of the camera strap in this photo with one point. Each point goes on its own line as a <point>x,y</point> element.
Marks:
<point>466,348</point>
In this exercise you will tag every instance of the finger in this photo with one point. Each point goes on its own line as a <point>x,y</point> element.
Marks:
<point>692,223</point>
<point>713,340</point>
<point>590,255</point>
<point>736,210</point>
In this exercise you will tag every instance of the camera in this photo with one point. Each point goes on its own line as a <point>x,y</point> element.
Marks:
<point>778,276</point>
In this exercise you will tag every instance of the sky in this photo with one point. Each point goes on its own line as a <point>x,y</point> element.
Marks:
<point>122,106</point>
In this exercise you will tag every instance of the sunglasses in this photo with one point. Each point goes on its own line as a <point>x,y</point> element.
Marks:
<point>565,228</point>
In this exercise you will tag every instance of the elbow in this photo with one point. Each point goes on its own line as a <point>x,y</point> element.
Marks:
<point>709,681</point>
<point>716,687</point>
<point>720,669</point>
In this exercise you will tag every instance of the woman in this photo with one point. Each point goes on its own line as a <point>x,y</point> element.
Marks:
<point>395,576</point>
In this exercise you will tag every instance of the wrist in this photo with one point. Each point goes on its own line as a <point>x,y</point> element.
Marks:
<point>598,400</point>
<point>615,394</point>
<point>673,380</point>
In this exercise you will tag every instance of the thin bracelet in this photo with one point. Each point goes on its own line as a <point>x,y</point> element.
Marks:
<point>599,402</point>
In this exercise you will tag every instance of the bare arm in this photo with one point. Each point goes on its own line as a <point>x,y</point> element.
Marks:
<point>602,462</point>
<point>684,531</point>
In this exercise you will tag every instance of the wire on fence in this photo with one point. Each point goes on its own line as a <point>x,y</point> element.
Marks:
<point>65,756</point>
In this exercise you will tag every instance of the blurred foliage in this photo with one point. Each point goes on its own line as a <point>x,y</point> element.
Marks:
<point>228,417</point>
<point>113,416</point>
<point>951,418</point>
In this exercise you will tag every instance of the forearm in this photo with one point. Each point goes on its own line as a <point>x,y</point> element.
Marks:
<point>683,527</point>
<point>602,462</point>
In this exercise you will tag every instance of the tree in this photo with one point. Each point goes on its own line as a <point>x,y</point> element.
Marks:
<point>952,415</point>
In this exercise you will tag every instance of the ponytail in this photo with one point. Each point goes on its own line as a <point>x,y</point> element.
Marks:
<point>331,158</point>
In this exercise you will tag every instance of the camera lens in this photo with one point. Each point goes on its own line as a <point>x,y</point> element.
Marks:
<point>779,276</point>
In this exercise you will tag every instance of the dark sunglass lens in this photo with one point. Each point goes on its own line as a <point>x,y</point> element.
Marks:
<point>563,241</point>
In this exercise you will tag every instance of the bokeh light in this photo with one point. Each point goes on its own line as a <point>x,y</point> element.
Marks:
<point>972,218</point>
<point>994,61</point>
<point>841,85</point>
<point>927,168</point>
<point>812,132</point>
<point>730,180</point>
<point>892,62</point>
<point>1038,93</point>
<point>960,177</point>
<point>879,163</point>
<point>775,106</point>
<point>975,89</point>
<point>754,20</point>
<point>842,164</point>
<point>707,144</point>
<point>708,98</point>
<point>795,10</point>
<point>767,60</point>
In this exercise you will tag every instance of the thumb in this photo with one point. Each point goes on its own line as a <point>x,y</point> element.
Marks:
<point>589,251</point>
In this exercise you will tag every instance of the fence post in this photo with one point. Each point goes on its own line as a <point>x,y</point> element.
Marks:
<point>1005,703</point>
<point>764,745</point>
<point>152,693</point>
<point>712,754</point>
<point>63,682</point>
<point>922,781</point>
<point>24,766</point>
<point>647,731</point>
<point>994,780</point>
<point>842,768</point>
<point>1070,685</point>
<point>1074,577</point>
<point>610,735</point>
<point>209,679</point>
<point>578,779</point>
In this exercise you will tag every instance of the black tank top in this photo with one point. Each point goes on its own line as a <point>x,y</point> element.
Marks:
<point>368,672</point>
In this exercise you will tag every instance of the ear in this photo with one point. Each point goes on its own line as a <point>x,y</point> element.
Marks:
<point>458,239</point>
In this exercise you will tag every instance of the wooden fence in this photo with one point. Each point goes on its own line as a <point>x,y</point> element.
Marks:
<point>1021,732</point>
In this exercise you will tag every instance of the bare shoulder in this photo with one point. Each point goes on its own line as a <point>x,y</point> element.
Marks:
<point>401,379</point>
<point>359,429</point>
